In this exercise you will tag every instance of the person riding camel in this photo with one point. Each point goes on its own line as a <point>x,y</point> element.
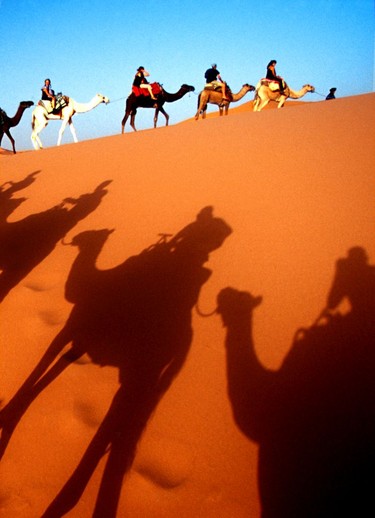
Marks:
<point>272,75</point>
<point>212,76</point>
<point>48,96</point>
<point>140,81</point>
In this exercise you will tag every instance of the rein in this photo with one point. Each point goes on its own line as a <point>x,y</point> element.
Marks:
<point>116,100</point>
<point>317,93</point>
<point>201,314</point>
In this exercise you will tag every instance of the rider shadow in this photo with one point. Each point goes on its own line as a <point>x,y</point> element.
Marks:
<point>136,317</point>
<point>26,243</point>
<point>314,418</point>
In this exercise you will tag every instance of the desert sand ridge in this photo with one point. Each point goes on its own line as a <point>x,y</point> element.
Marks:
<point>296,188</point>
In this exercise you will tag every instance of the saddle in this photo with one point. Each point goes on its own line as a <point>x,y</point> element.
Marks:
<point>272,85</point>
<point>218,88</point>
<point>156,89</point>
<point>60,102</point>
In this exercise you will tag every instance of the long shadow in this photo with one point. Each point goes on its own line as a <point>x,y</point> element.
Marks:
<point>27,242</point>
<point>314,418</point>
<point>137,317</point>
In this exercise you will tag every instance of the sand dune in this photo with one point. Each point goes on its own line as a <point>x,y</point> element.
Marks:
<point>296,188</point>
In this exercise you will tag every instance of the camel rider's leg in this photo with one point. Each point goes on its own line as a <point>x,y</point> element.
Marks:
<point>281,85</point>
<point>149,88</point>
<point>224,91</point>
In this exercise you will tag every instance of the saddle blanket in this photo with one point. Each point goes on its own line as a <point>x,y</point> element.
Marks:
<point>272,85</point>
<point>212,86</point>
<point>156,89</point>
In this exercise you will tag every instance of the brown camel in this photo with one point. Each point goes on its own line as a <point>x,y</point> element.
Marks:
<point>9,122</point>
<point>134,102</point>
<point>209,96</point>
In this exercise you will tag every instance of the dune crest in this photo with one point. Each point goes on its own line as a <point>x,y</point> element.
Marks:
<point>293,192</point>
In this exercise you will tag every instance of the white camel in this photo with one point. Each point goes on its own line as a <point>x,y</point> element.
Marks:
<point>40,117</point>
<point>264,94</point>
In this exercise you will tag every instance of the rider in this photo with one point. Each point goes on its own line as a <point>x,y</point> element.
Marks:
<point>140,81</point>
<point>272,75</point>
<point>212,76</point>
<point>48,95</point>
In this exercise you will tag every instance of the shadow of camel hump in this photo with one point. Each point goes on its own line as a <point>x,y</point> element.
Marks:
<point>27,242</point>
<point>314,418</point>
<point>137,317</point>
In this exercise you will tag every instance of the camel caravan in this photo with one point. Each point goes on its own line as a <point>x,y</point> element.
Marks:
<point>149,95</point>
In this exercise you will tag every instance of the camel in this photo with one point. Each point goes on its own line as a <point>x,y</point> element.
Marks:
<point>208,96</point>
<point>133,102</point>
<point>313,418</point>
<point>9,122</point>
<point>136,316</point>
<point>264,94</point>
<point>40,117</point>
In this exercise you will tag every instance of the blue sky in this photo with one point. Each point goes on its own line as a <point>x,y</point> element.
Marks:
<point>88,47</point>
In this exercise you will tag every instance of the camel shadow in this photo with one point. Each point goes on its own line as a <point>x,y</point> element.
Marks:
<point>26,243</point>
<point>314,418</point>
<point>136,317</point>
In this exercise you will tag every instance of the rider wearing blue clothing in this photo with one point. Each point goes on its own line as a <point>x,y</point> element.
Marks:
<point>48,94</point>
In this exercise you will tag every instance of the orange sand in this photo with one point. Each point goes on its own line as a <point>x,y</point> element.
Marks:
<point>297,188</point>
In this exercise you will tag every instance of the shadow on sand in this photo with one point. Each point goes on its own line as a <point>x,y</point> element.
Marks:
<point>137,317</point>
<point>314,418</point>
<point>27,242</point>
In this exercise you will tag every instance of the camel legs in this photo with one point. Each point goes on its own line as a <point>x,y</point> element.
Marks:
<point>201,110</point>
<point>132,115</point>
<point>37,143</point>
<point>7,133</point>
<point>37,128</point>
<point>160,109</point>
<point>62,129</point>
<point>42,375</point>
<point>260,103</point>
<point>124,120</point>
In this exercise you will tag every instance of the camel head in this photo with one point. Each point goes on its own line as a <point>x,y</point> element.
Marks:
<point>235,306</point>
<point>309,88</point>
<point>249,88</point>
<point>91,237</point>
<point>26,104</point>
<point>188,88</point>
<point>103,98</point>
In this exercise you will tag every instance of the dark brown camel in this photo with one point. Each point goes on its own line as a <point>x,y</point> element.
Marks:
<point>9,122</point>
<point>134,102</point>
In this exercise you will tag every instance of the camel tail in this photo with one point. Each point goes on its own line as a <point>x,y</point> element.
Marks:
<point>199,100</point>
<point>33,122</point>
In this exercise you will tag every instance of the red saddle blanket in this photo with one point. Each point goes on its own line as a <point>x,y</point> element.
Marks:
<point>156,89</point>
